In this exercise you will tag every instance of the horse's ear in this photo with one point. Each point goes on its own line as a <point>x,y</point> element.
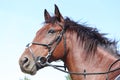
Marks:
<point>46,15</point>
<point>58,14</point>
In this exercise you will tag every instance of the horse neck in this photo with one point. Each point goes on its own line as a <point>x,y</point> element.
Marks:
<point>77,61</point>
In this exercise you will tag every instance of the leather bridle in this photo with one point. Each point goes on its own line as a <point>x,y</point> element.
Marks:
<point>44,61</point>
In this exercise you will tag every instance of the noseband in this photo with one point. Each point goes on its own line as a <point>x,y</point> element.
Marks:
<point>42,61</point>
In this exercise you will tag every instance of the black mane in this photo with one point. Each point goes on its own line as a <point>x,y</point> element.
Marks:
<point>89,36</point>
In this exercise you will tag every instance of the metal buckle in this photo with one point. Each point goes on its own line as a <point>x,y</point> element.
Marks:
<point>41,61</point>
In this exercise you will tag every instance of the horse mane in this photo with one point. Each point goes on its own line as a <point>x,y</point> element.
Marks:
<point>89,37</point>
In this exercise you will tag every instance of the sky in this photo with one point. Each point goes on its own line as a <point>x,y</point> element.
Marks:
<point>20,20</point>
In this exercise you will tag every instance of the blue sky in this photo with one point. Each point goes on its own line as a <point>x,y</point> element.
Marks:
<point>20,19</point>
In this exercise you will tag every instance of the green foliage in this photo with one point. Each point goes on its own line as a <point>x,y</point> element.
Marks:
<point>68,77</point>
<point>25,78</point>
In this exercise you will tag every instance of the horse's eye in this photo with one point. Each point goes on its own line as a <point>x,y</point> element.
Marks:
<point>51,31</point>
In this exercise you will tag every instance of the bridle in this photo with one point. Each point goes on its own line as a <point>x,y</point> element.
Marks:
<point>44,61</point>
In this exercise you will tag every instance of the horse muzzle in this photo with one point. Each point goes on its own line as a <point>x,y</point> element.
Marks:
<point>31,66</point>
<point>27,65</point>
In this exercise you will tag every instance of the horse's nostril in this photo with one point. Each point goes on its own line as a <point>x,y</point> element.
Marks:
<point>25,60</point>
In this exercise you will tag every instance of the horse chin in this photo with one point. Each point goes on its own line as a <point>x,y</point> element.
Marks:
<point>38,67</point>
<point>30,70</point>
<point>33,71</point>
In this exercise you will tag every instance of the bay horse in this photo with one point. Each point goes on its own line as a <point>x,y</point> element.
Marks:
<point>87,54</point>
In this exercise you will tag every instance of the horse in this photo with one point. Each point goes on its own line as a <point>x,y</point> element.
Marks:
<point>86,53</point>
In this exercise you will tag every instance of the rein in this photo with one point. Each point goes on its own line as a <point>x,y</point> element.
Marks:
<point>87,73</point>
<point>44,61</point>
